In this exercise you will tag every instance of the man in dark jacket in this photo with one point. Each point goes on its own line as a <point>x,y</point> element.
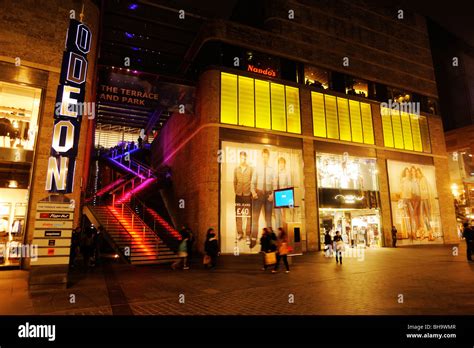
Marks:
<point>468,234</point>
<point>394,236</point>
<point>211,247</point>
<point>328,244</point>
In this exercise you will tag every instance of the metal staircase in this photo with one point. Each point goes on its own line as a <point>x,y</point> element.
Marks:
<point>136,232</point>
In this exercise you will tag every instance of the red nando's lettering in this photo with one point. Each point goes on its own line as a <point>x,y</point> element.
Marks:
<point>266,72</point>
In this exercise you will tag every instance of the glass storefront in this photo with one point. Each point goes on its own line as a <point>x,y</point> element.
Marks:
<point>461,172</point>
<point>250,173</point>
<point>19,112</point>
<point>349,199</point>
<point>414,201</point>
<point>19,108</point>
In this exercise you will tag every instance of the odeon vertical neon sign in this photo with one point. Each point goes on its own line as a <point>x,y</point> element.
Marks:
<point>67,118</point>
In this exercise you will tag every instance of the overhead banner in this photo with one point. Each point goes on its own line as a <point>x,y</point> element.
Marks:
<point>136,89</point>
<point>70,108</point>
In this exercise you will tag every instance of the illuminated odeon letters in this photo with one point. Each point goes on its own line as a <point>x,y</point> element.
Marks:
<point>67,121</point>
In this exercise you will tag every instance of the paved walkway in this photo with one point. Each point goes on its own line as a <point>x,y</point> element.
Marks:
<point>415,280</point>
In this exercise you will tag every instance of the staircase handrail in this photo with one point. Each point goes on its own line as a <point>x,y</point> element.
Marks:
<point>130,237</point>
<point>155,236</point>
<point>135,197</point>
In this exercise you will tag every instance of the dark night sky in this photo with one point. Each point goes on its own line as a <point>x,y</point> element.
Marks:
<point>457,16</point>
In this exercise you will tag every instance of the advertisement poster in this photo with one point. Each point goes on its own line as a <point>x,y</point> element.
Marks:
<point>249,175</point>
<point>414,201</point>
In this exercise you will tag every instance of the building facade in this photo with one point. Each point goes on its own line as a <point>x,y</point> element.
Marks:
<point>308,103</point>
<point>31,55</point>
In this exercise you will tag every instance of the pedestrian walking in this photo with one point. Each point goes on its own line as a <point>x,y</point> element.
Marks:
<point>75,246</point>
<point>327,244</point>
<point>267,245</point>
<point>190,245</point>
<point>338,246</point>
<point>211,247</point>
<point>282,250</point>
<point>98,244</point>
<point>394,236</point>
<point>468,234</point>
<point>182,253</point>
<point>87,247</point>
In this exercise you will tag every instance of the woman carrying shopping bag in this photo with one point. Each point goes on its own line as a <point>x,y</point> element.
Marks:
<point>268,248</point>
<point>283,250</point>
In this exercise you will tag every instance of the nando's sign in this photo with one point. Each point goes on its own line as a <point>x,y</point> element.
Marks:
<point>67,117</point>
<point>265,72</point>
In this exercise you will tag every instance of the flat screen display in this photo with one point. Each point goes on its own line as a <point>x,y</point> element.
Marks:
<point>284,198</point>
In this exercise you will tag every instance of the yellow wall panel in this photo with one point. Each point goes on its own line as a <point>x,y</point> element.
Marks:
<point>228,98</point>
<point>344,122</point>
<point>425,134</point>
<point>406,126</point>
<point>319,116</point>
<point>397,129</point>
<point>278,107</point>
<point>246,102</point>
<point>367,125</point>
<point>262,104</point>
<point>387,127</point>
<point>356,122</point>
<point>331,117</point>
<point>293,109</point>
<point>415,130</point>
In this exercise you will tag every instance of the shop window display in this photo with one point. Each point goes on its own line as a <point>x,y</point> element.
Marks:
<point>349,199</point>
<point>19,108</point>
<point>12,225</point>
<point>414,200</point>
<point>250,173</point>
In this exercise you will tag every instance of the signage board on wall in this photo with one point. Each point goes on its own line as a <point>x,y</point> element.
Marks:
<point>132,88</point>
<point>67,117</point>
<point>53,231</point>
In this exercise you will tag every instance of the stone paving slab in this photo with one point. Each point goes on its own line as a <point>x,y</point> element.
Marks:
<point>430,279</point>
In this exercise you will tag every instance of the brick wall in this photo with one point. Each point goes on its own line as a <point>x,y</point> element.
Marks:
<point>35,32</point>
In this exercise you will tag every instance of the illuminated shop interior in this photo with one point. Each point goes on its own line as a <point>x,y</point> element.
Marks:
<point>19,109</point>
<point>348,199</point>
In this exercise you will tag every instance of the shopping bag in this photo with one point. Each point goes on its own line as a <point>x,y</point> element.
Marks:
<point>206,260</point>
<point>270,258</point>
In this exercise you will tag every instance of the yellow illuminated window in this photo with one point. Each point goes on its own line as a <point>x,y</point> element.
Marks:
<point>319,117</point>
<point>425,134</point>
<point>293,109</point>
<point>367,126</point>
<point>331,117</point>
<point>356,122</point>
<point>246,102</point>
<point>278,107</point>
<point>262,104</point>
<point>397,129</point>
<point>228,98</point>
<point>406,126</point>
<point>415,130</point>
<point>344,122</point>
<point>387,127</point>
